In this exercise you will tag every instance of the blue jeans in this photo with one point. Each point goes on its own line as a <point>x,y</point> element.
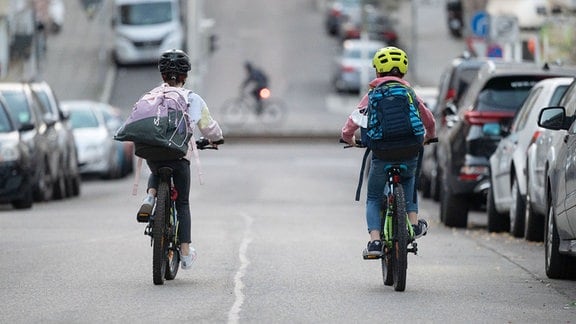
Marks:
<point>377,184</point>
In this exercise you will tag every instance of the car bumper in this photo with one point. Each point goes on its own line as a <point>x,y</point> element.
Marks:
<point>14,182</point>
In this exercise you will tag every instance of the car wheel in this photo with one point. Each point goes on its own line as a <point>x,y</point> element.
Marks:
<point>517,211</point>
<point>453,208</point>
<point>534,223</point>
<point>497,222</point>
<point>44,188</point>
<point>25,202</point>
<point>60,185</point>
<point>557,265</point>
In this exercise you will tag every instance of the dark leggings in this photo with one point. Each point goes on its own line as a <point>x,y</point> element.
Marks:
<point>181,176</point>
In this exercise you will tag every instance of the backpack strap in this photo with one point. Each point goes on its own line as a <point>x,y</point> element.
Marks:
<point>361,177</point>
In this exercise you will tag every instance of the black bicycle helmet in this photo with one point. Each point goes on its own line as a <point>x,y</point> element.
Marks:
<point>174,61</point>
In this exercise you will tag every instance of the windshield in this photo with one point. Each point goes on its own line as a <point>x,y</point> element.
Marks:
<point>5,125</point>
<point>18,105</point>
<point>146,13</point>
<point>83,118</point>
<point>356,53</point>
<point>505,93</point>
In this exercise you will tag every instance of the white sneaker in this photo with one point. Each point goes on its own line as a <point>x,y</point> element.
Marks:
<point>188,260</point>
<point>146,209</point>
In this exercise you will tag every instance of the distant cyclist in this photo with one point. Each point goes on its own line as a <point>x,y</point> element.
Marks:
<point>174,66</point>
<point>255,81</point>
<point>391,64</point>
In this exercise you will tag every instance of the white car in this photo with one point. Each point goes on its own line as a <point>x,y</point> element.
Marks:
<point>98,152</point>
<point>509,165</point>
<point>354,62</point>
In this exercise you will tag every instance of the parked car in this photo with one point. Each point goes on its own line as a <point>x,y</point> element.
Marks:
<point>28,112</point>
<point>379,26</point>
<point>453,83</point>
<point>125,150</point>
<point>507,205</point>
<point>17,161</point>
<point>68,182</point>
<point>339,11</point>
<point>560,223</point>
<point>98,152</point>
<point>541,154</point>
<point>490,103</point>
<point>355,56</point>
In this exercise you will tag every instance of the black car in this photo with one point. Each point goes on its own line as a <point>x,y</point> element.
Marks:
<point>68,180</point>
<point>454,81</point>
<point>474,130</point>
<point>560,222</point>
<point>16,162</point>
<point>26,110</point>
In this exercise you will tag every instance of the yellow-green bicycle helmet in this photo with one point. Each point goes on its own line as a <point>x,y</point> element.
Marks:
<point>388,58</point>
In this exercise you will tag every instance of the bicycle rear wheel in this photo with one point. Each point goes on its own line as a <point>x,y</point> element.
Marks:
<point>173,253</point>
<point>400,239</point>
<point>387,274</point>
<point>234,112</point>
<point>273,112</point>
<point>159,234</point>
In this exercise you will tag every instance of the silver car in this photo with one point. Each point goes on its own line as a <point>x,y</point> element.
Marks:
<point>354,60</point>
<point>508,164</point>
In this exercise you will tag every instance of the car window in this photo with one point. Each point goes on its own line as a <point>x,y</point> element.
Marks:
<point>5,124</point>
<point>557,96</point>
<point>45,103</point>
<point>146,13</point>
<point>356,53</point>
<point>83,119</point>
<point>18,105</point>
<point>522,116</point>
<point>505,93</point>
<point>463,80</point>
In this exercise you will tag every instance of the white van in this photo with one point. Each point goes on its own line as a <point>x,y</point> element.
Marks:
<point>143,29</point>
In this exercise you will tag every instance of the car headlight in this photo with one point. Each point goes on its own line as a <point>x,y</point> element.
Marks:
<point>9,152</point>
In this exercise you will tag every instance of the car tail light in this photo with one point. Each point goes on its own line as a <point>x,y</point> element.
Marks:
<point>485,117</point>
<point>390,36</point>
<point>472,173</point>
<point>347,69</point>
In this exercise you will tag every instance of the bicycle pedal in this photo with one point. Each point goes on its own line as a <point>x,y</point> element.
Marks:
<point>367,256</point>
<point>414,248</point>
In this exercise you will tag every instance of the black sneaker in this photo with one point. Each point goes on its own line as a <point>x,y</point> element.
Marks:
<point>421,229</point>
<point>374,249</point>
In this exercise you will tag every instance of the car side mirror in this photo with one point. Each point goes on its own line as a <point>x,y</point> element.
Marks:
<point>26,127</point>
<point>553,118</point>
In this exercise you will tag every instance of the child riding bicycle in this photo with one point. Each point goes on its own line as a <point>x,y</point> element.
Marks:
<point>174,66</point>
<point>391,64</point>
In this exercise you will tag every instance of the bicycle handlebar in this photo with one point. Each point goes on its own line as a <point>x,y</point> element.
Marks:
<point>206,144</point>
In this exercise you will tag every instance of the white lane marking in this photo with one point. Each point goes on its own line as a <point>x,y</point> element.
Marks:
<point>234,313</point>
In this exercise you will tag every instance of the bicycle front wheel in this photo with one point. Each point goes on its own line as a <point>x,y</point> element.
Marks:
<point>400,239</point>
<point>159,234</point>
<point>234,112</point>
<point>273,112</point>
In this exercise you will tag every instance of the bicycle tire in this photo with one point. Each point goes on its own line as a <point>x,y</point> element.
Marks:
<point>400,239</point>
<point>173,253</point>
<point>273,112</point>
<point>387,273</point>
<point>234,112</point>
<point>160,241</point>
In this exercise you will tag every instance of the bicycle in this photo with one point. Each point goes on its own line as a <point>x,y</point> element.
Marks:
<point>397,233</point>
<point>236,111</point>
<point>163,224</point>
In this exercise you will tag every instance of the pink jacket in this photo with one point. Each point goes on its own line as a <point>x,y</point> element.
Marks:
<point>350,127</point>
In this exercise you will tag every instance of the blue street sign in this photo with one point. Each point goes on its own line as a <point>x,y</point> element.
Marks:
<point>480,24</point>
<point>495,51</point>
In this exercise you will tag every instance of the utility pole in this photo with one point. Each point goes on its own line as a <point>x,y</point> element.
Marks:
<point>414,42</point>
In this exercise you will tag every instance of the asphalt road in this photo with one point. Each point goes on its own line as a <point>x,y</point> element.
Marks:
<point>279,238</point>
